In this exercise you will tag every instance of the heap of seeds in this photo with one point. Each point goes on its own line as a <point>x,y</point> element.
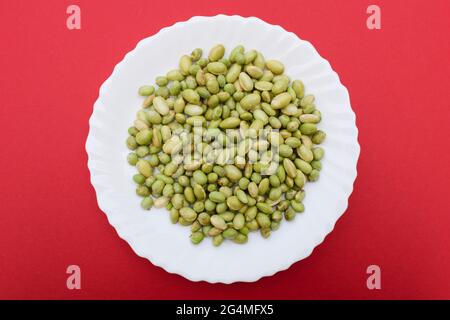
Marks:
<point>226,144</point>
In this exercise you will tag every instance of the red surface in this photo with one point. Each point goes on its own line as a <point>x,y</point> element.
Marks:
<point>398,215</point>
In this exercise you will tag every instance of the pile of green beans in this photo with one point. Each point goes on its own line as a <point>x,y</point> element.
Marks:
<point>197,147</point>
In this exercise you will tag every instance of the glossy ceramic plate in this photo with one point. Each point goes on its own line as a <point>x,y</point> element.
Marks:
<point>150,233</point>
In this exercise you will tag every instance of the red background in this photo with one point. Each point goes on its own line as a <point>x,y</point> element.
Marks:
<point>398,215</point>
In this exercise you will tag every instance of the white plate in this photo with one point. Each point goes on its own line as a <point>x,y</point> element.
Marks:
<point>150,234</point>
